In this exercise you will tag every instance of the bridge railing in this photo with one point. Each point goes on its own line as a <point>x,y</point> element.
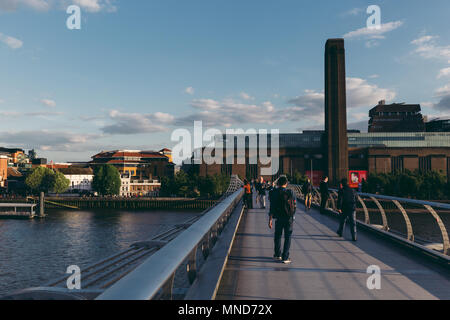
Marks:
<point>235,184</point>
<point>421,222</point>
<point>154,278</point>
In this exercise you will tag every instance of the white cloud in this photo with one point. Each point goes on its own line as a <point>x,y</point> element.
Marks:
<point>360,93</point>
<point>311,99</point>
<point>229,112</point>
<point>374,76</point>
<point>359,125</point>
<point>48,103</point>
<point>11,42</point>
<point>443,91</point>
<point>36,4</point>
<point>135,123</point>
<point>443,105</point>
<point>45,139</point>
<point>427,104</point>
<point>189,90</point>
<point>96,5</point>
<point>372,33</point>
<point>11,5</point>
<point>44,5</point>
<point>246,96</point>
<point>372,43</point>
<point>427,47</point>
<point>443,94</point>
<point>444,73</point>
<point>353,12</point>
<point>360,116</point>
<point>308,107</point>
<point>89,5</point>
<point>16,114</point>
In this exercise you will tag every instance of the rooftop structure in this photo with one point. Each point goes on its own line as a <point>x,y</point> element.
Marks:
<point>76,171</point>
<point>438,125</point>
<point>396,117</point>
<point>148,164</point>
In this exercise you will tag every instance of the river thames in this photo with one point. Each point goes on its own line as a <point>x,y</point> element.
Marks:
<point>33,252</point>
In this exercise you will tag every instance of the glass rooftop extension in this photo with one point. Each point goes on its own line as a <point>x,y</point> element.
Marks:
<point>399,139</point>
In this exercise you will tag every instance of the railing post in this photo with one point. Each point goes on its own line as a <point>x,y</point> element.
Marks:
<point>319,197</point>
<point>445,240</point>
<point>206,245</point>
<point>366,212</point>
<point>383,214</point>
<point>410,234</point>
<point>333,202</point>
<point>167,289</point>
<point>191,266</point>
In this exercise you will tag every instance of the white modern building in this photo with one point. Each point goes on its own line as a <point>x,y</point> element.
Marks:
<point>134,187</point>
<point>125,185</point>
<point>80,178</point>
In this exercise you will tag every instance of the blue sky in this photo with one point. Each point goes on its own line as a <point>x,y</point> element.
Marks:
<point>139,69</point>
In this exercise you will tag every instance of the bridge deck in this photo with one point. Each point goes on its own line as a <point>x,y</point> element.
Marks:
<point>324,266</point>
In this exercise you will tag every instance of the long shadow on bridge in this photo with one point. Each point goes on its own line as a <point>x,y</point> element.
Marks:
<point>324,266</point>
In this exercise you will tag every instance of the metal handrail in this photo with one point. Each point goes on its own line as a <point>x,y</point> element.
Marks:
<point>406,200</point>
<point>157,273</point>
<point>428,206</point>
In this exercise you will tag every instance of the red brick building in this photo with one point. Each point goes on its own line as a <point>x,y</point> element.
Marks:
<point>136,163</point>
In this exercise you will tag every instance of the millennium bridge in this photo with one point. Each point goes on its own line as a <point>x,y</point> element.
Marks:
<point>226,253</point>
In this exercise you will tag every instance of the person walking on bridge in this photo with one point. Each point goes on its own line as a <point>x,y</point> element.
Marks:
<point>324,194</point>
<point>347,208</point>
<point>261,193</point>
<point>248,198</point>
<point>283,211</point>
<point>307,191</point>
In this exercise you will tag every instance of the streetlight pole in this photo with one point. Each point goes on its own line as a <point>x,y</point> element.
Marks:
<point>311,157</point>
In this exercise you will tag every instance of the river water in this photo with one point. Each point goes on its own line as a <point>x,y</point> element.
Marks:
<point>33,252</point>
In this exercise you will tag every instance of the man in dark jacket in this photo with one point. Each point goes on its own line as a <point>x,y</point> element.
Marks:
<point>347,208</point>
<point>324,194</point>
<point>283,211</point>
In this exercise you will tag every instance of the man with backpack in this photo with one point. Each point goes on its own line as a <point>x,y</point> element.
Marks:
<point>283,211</point>
<point>347,208</point>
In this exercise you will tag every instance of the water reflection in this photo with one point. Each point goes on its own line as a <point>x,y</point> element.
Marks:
<point>33,252</point>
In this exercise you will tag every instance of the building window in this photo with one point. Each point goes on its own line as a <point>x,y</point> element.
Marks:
<point>397,164</point>
<point>425,164</point>
<point>226,169</point>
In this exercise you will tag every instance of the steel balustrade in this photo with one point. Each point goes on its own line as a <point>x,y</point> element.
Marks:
<point>105,273</point>
<point>154,277</point>
<point>399,203</point>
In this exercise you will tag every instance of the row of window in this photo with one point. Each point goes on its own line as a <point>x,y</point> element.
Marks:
<point>397,164</point>
<point>395,113</point>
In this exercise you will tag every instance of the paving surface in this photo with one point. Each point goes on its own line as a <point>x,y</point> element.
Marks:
<point>324,266</point>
